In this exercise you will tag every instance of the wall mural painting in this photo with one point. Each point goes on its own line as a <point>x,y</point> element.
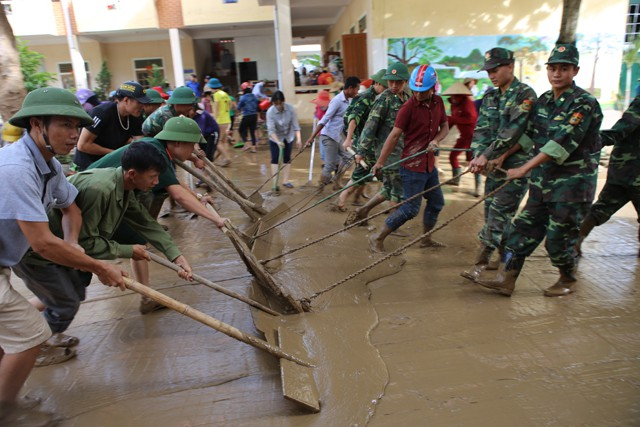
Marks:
<point>460,57</point>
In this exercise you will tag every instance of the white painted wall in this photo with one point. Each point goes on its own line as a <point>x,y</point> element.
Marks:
<point>261,49</point>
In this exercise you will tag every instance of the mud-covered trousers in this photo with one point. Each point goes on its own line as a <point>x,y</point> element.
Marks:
<point>412,184</point>
<point>559,222</point>
<point>500,208</point>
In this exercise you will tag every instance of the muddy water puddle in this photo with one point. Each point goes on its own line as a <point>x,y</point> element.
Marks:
<point>418,345</point>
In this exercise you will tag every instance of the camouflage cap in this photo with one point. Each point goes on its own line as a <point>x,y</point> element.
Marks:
<point>397,71</point>
<point>564,53</point>
<point>496,57</point>
<point>379,77</point>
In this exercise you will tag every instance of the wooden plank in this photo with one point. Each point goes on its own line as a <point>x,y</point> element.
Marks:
<point>298,382</point>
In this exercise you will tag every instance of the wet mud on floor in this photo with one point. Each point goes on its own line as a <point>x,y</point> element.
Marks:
<point>418,345</point>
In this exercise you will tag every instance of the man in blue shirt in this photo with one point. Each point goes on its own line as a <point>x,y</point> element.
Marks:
<point>194,85</point>
<point>330,130</point>
<point>33,183</point>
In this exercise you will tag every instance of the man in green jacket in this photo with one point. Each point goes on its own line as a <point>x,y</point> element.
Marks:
<point>176,141</point>
<point>106,199</point>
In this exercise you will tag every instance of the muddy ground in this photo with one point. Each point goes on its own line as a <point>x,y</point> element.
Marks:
<point>416,345</point>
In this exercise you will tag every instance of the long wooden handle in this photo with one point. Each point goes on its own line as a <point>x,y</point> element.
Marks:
<point>361,162</point>
<point>207,320</point>
<point>164,262</point>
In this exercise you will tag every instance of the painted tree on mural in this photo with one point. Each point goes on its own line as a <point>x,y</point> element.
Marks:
<point>473,61</point>
<point>525,49</point>
<point>597,45</point>
<point>11,82</point>
<point>414,50</point>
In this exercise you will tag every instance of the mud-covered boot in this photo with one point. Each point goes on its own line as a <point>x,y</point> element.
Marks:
<point>427,241</point>
<point>478,184</point>
<point>324,180</point>
<point>495,263</point>
<point>505,281</point>
<point>585,228</point>
<point>481,263</point>
<point>564,285</point>
<point>455,181</point>
<point>376,241</point>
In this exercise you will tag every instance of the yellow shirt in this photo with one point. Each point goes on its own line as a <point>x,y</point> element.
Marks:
<point>224,105</point>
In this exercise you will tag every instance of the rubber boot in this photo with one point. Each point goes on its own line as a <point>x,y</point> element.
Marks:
<point>427,241</point>
<point>376,241</point>
<point>455,181</point>
<point>495,264</point>
<point>564,285</point>
<point>585,228</point>
<point>274,169</point>
<point>478,183</point>
<point>505,281</point>
<point>481,263</point>
<point>363,211</point>
<point>324,180</point>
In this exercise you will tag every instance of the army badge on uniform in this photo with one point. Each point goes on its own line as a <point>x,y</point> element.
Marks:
<point>575,119</point>
<point>526,105</point>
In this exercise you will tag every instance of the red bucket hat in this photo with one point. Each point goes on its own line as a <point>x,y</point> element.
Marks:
<point>323,98</point>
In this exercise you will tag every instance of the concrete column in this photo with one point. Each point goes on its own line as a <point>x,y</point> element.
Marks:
<point>77,61</point>
<point>282,24</point>
<point>176,57</point>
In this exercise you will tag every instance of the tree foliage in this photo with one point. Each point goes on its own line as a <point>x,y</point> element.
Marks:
<point>156,76</point>
<point>104,82</point>
<point>31,65</point>
<point>414,50</point>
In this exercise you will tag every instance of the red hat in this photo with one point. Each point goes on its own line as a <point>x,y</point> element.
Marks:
<point>367,83</point>
<point>323,98</point>
<point>162,94</point>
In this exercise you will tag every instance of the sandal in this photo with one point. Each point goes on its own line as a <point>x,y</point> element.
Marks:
<point>337,208</point>
<point>62,340</point>
<point>54,355</point>
<point>288,185</point>
<point>253,149</point>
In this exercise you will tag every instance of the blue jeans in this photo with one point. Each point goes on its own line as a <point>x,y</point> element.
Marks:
<point>412,184</point>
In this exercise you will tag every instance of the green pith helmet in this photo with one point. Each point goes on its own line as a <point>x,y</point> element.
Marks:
<point>181,129</point>
<point>182,95</point>
<point>154,96</point>
<point>379,77</point>
<point>50,101</point>
<point>397,71</point>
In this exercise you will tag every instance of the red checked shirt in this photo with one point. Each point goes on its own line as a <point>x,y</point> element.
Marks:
<point>420,122</point>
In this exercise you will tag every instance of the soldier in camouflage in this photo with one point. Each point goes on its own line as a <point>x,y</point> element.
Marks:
<point>179,104</point>
<point>623,176</point>
<point>377,128</point>
<point>354,120</point>
<point>502,120</point>
<point>563,127</point>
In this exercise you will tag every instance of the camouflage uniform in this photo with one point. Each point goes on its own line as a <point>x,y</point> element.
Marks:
<point>501,122</point>
<point>623,176</point>
<point>358,110</point>
<point>562,189</point>
<point>379,125</point>
<point>155,122</point>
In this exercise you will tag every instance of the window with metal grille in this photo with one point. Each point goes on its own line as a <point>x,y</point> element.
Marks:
<point>143,69</point>
<point>65,71</point>
<point>633,22</point>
